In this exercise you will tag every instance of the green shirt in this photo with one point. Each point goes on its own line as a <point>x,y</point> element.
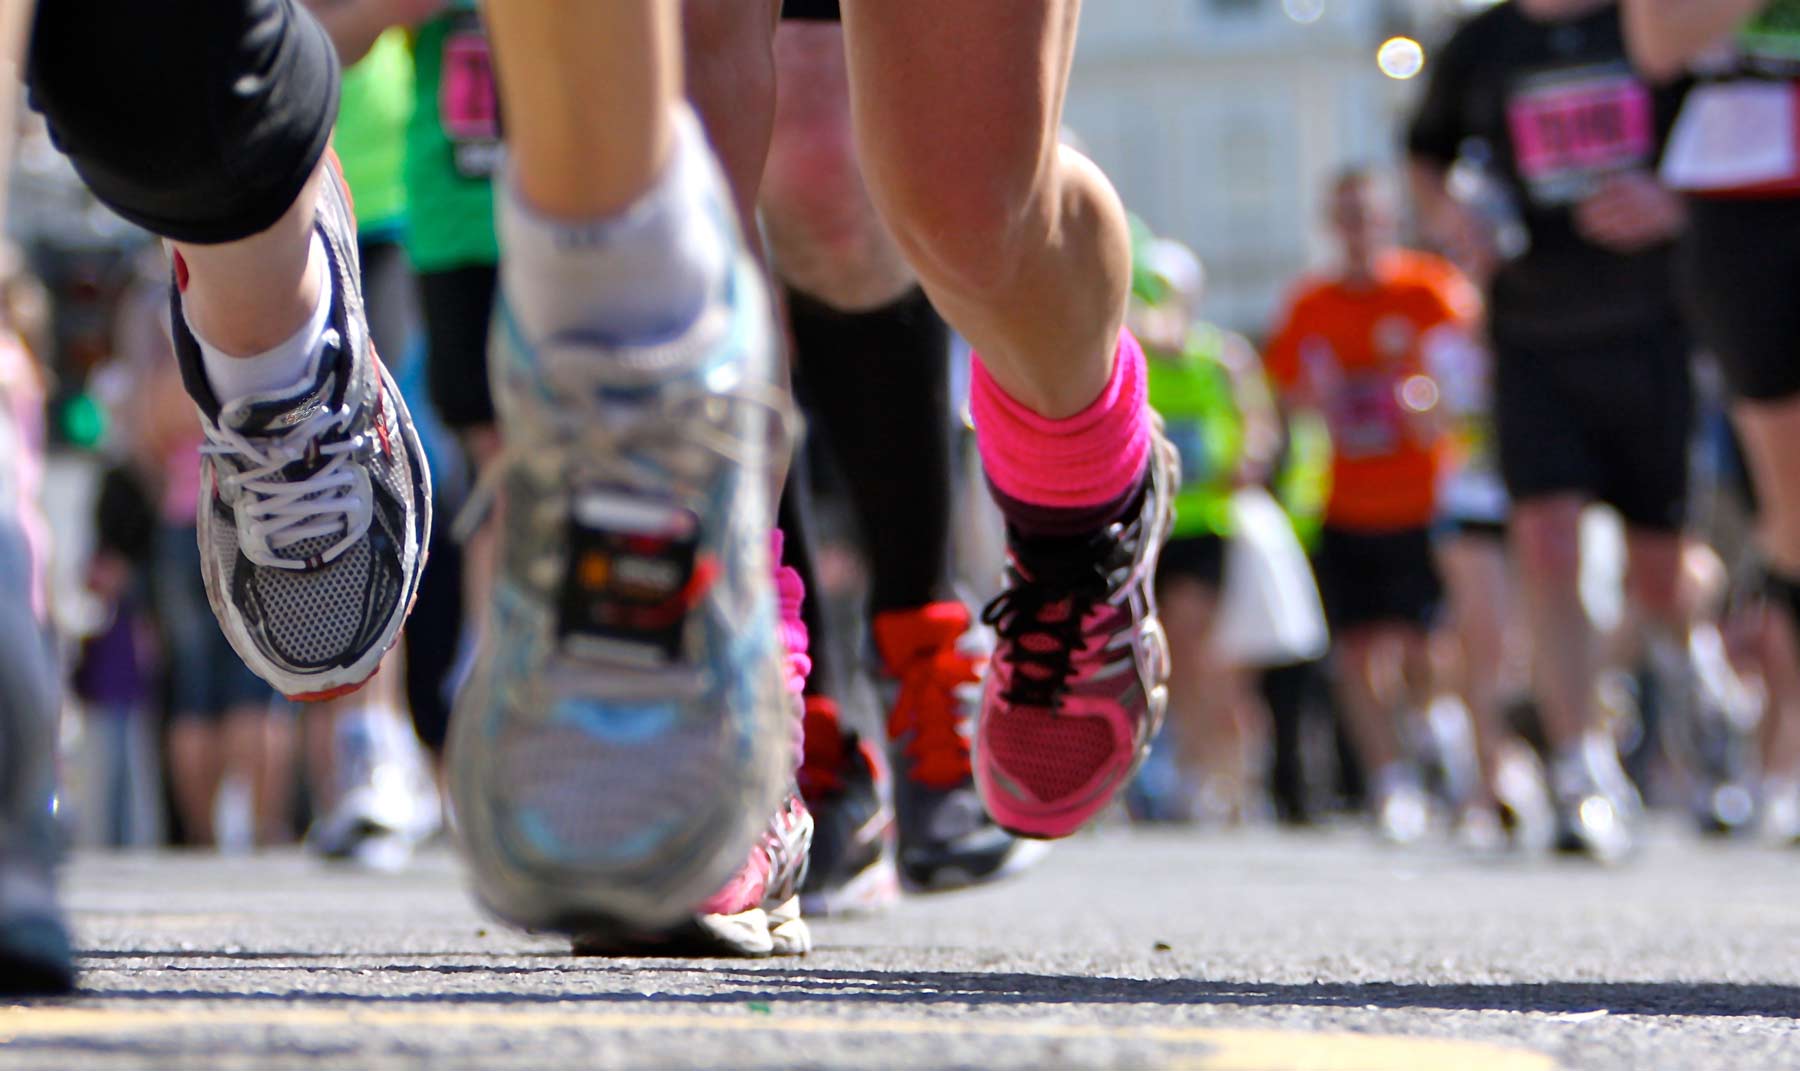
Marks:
<point>1774,34</point>
<point>1194,393</point>
<point>377,101</point>
<point>452,145</point>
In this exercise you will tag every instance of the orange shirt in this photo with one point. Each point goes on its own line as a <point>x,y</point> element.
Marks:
<point>1357,355</point>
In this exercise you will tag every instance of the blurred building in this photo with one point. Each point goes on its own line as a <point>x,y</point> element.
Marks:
<point>1220,119</point>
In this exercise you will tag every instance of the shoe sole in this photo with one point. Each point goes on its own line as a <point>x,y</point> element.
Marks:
<point>753,934</point>
<point>1026,853</point>
<point>27,967</point>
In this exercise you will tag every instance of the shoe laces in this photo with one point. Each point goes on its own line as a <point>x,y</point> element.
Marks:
<point>788,845</point>
<point>1041,617</point>
<point>823,750</point>
<point>682,431</point>
<point>928,713</point>
<point>282,511</point>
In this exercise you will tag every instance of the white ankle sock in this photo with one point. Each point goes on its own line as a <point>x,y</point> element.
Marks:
<point>287,364</point>
<point>640,275</point>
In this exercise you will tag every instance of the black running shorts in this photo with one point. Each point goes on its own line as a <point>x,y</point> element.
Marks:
<point>1609,423</point>
<point>199,120</point>
<point>1740,272</point>
<point>457,305</point>
<point>1377,578</point>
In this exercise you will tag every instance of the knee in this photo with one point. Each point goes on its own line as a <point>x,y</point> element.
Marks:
<point>826,238</point>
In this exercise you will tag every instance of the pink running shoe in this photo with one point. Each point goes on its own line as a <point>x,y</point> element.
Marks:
<point>1079,681</point>
<point>757,912</point>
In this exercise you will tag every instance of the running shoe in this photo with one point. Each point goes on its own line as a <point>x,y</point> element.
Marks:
<point>843,781</point>
<point>1524,802</point>
<point>932,663</point>
<point>1597,808</point>
<point>387,802</point>
<point>36,956</point>
<point>1708,724</point>
<point>1079,680</point>
<point>1400,805</point>
<point>316,512</point>
<point>626,730</point>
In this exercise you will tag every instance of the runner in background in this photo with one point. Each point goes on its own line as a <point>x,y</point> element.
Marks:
<point>1208,387</point>
<point>1354,346</point>
<point>1593,386</point>
<point>1502,800</point>
<point>1735,154</point>
<point>871,368</point>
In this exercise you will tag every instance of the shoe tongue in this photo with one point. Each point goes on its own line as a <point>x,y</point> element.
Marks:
<point>1072,561</point>
<point>279,411</point>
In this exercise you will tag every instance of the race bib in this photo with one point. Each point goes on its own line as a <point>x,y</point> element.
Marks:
<point>1366,421</point>
<point>1734,136</point>
<point>1573,127</point>
<point>468,104</point>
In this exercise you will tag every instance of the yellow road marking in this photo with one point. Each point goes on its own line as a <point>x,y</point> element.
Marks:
<point>1220,1050</point>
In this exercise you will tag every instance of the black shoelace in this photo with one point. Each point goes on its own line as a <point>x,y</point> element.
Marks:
<point>1072,575</point>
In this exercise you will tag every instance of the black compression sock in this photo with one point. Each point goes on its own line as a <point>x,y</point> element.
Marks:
<point>877,387</point>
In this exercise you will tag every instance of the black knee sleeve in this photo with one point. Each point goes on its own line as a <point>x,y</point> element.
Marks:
<point>199,120</point>
<point>877,385</point>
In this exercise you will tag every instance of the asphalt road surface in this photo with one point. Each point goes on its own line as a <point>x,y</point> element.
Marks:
<point>1255,950</point>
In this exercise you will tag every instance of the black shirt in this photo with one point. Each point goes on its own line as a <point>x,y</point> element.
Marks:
<point>1559,108</point>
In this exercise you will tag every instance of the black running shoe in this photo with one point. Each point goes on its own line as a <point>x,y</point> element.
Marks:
<point>933,662</point>
<point>844,783</point>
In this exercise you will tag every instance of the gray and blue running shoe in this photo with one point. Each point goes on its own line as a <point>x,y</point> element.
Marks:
<point>626,731</point>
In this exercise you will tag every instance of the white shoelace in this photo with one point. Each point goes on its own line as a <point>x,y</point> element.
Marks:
<point>284,512</point>
<point>685,434</point>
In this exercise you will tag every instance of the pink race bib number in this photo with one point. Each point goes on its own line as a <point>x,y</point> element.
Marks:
<point>1366,423</point>
<point>1573,127</point>
<point>468,104</point>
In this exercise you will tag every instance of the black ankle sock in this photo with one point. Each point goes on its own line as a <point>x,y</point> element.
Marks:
<point>876,385</point>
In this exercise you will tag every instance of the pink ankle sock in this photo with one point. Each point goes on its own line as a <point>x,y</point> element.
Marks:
<point>1070,476</point>
<point>790,593</point>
